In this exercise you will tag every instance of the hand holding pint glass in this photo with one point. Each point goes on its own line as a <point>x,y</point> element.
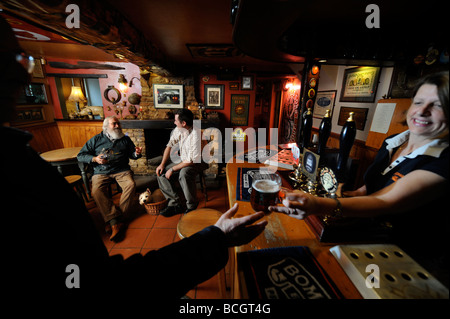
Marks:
<point>265,192</point>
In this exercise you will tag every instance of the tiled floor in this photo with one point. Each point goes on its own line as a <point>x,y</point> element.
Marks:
<point>148,232</point>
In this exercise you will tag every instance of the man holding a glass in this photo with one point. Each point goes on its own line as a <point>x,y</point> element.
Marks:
<point>109,153</point>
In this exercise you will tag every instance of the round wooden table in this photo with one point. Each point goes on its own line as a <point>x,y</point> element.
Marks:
<point>196,220</point>
<point>61,154</point>
<point>67,156</point>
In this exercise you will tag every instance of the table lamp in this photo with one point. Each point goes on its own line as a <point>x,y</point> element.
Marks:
<point>76,95</point>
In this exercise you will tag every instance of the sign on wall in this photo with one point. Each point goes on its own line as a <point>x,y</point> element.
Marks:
<point>239,109</point>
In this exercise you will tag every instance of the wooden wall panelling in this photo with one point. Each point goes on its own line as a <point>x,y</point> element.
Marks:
<point>64,131</point>
<point>375,139</point>
<point>45,137</point>
<point>77,133</point>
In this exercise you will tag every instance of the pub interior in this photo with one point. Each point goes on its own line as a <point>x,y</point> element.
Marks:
<point>317,83</point>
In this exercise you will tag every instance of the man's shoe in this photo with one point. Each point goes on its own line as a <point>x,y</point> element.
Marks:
<point>170,211</point>
<point>116,230</point>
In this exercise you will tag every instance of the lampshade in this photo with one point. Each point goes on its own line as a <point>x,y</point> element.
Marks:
<point>76,95</point>
<point>123,83</point>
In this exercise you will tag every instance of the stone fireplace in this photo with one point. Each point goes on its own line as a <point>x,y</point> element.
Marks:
<point>152,136</point>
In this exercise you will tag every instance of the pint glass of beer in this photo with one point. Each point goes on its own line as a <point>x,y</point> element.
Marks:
<point>265,192</point>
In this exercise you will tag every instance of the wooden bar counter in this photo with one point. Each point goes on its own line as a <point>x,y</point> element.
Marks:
<point>282,231</point>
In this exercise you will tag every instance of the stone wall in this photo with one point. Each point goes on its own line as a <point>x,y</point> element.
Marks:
<point>140,166</point>
<point>147,111</point>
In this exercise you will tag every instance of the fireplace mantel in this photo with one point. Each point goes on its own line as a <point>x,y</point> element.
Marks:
<point>159,124</point>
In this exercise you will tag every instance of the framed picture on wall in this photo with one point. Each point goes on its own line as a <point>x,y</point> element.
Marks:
<point>234,86</point>
<point>168,96</point>
<point>247,82</point>
<point>214,96</point>
<point>324,102</point>
<point>29,114</point>
<point>360,84</point>
<point>38,72</point>
<point>359,115</point>
<point>240,104</point>
<point>32,94</point>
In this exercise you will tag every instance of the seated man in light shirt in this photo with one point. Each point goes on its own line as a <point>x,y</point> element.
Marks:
<point>187,139</point>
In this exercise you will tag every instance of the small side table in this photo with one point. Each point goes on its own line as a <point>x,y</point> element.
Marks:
<point>67,156</point>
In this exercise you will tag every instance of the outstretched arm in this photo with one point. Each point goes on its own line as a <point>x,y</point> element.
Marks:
<point>240,231</point>
<point>175,269</point>
<point>413,189</point>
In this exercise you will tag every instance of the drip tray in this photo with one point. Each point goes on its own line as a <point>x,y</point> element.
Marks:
<point>387,272</point>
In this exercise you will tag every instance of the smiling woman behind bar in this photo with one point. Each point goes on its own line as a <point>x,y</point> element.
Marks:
<point>407,182</point>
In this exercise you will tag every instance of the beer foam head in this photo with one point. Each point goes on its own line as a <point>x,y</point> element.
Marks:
<point>266,186</point>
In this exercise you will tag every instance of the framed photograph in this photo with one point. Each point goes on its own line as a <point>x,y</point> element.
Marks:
<point>324,102</point>
<point>359,115</point>
<point>168,96</point>
<point>234,86</point>
<point>247,82</point>
<point>31,114</point>
<point>32,94</point>
<point>214,96</point>
<point>38,72</point>
<point>405,77</point>
<point>239,109</point>
<point>360,84</point>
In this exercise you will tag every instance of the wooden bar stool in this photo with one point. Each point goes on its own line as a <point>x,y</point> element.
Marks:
<point>77,182</point>
<point>195,221</point>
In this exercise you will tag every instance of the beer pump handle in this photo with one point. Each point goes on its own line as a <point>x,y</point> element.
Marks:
<point>306,129</point>
<point>346,141</point>
<point>324,132</point>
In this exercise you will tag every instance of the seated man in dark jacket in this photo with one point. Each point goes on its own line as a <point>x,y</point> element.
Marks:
<point>109,153</point>
<point>54,249</point>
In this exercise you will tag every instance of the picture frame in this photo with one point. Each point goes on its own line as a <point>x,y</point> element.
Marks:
<point>38,72</point>
<point>31,114</point>
<point>240,104</point>
<point>247,82</point>
<point>234,86</point>
<point>360,84</point>
<point>325,100</point>
<point>405,77</point>
<point>32,94</point>
<point>214,95</point>
<point>359,115</point>
<point>168,96</point>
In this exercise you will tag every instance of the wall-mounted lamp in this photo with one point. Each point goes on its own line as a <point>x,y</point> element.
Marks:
<point>290,85</point>
<point>76,95</point>
<point>131,81</point>
<point>123,87</point>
